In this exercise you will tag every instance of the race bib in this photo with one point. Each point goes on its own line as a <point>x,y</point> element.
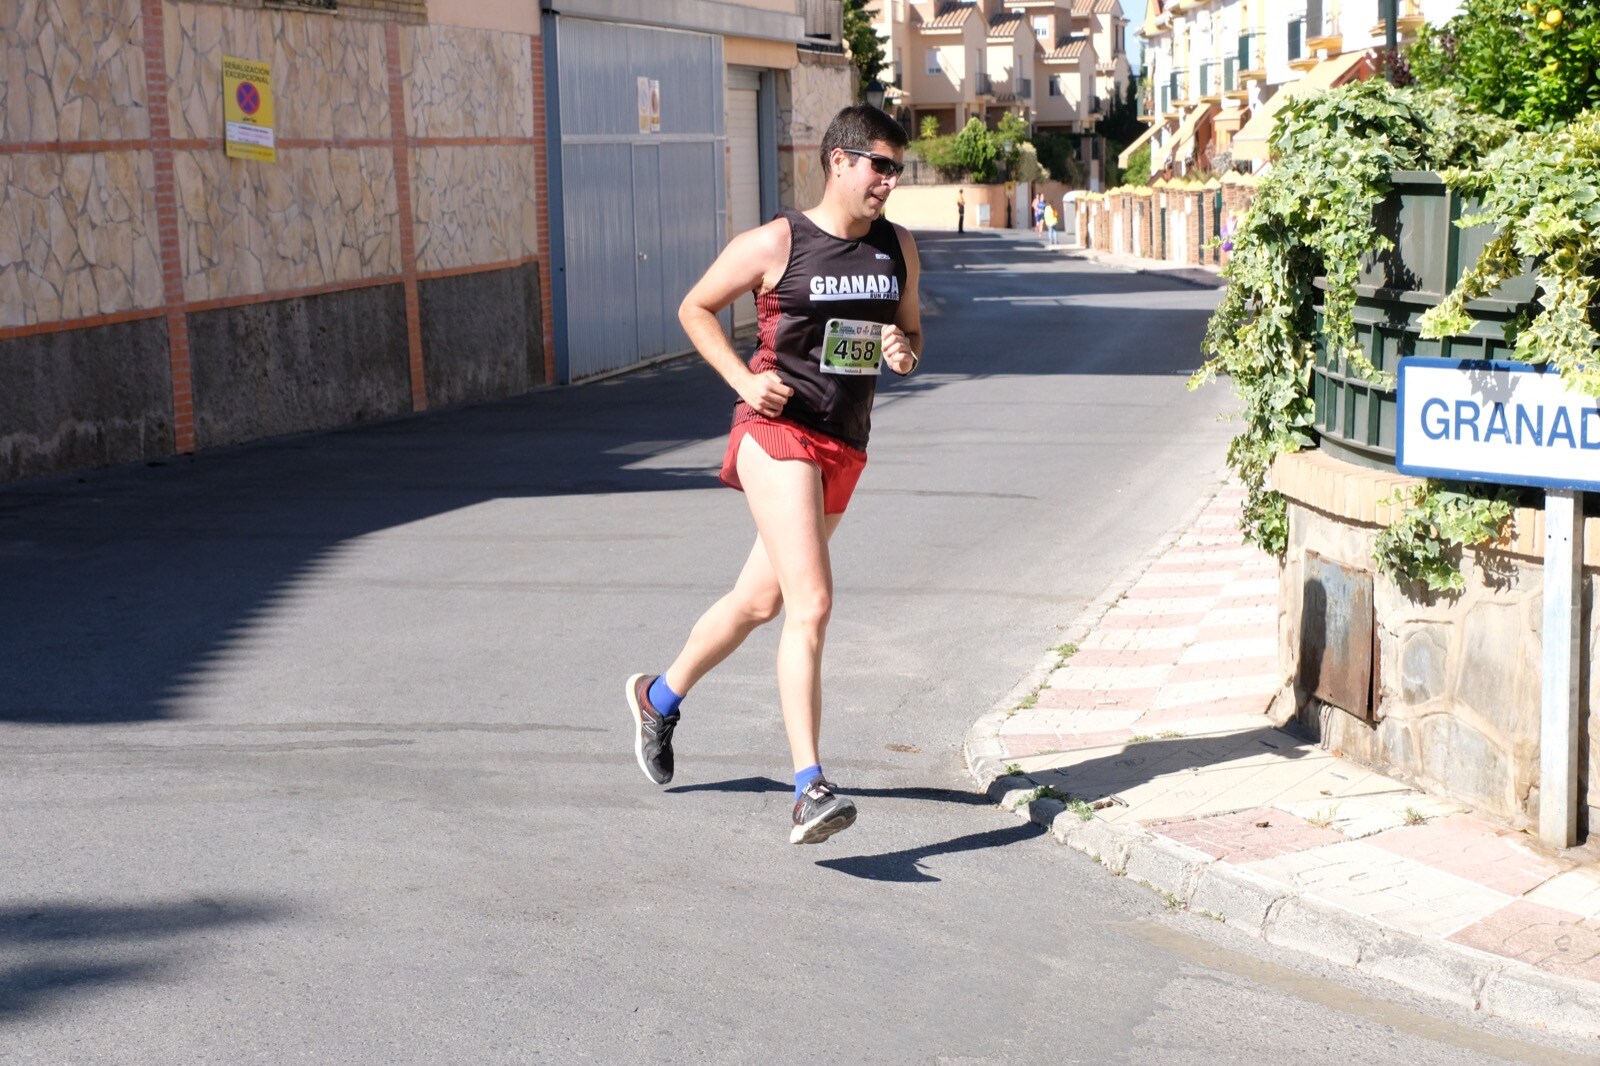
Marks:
<point>851,346</point>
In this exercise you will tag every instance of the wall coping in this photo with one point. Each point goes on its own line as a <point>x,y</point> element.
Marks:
<point>1344,490</point>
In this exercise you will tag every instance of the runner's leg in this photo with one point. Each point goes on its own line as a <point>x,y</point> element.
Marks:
<point>755,600</point>
<point>785,497</point>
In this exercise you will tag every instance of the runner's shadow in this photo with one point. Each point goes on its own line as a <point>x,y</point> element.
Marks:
<point>905,867</point>
<point>914,792</point>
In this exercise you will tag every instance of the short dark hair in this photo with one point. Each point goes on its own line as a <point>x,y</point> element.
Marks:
<point>857,126</point>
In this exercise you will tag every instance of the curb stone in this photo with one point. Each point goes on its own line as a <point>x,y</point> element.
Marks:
<point>1266,909</point>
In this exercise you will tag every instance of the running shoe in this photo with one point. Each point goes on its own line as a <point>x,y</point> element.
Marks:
<point>652,732</point>
<point>819,813</point>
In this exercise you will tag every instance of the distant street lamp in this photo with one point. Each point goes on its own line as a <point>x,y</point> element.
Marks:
<point>875,93</point>
<point>1389,10</point>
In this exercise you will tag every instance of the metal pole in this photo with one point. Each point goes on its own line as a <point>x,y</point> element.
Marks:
<point>1558,719</point>
<point>1391,36</point>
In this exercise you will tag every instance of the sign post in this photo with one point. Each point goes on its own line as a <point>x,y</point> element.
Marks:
<point>1517,424</point>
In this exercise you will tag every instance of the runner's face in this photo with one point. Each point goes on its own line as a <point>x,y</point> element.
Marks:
<point>864,189</point>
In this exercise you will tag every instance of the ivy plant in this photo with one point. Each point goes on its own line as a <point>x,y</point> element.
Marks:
<point>1436,520</point>
<point>1334,154</point>
<point>1541,192</point>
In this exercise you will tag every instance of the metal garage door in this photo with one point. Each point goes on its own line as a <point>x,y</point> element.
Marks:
<point>642,213</point>
<point>744,167</point>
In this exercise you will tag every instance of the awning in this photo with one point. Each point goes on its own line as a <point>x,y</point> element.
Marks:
<point>1181,139</point>
<point>1139,142</point>
<point>1250,143</point>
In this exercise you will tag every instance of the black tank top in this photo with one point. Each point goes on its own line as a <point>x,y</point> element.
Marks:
<point>827,277</point>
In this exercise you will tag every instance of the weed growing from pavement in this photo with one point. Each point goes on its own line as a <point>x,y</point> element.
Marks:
<point>1169,734</point>
<point>1081,808</point>
<point>1028,701</point>
<point>1324,819</point>
<point>1140,738</point>
<point>1065,651</point>
<point>1174,903</point>
<point>1042,792</point>
<point>1414,816</point>
<point>1013,769</point>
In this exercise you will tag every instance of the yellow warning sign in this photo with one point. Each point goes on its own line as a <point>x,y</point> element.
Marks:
<point>247,109</point>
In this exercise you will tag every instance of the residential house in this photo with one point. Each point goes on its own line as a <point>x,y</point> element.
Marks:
<point>1217,70</point>
<point>1045,60</point>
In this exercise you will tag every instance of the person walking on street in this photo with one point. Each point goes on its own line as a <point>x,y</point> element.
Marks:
<point>1050,220</point>
<point>1038,213</point>
<point>836,299</point>
<point>961,211</point>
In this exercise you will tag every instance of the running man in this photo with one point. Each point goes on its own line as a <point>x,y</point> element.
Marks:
<point>836,300</point>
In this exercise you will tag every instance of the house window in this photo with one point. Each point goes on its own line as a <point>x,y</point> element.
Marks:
<point>933,61</point>
<point>1041,27</point>
<point>1055,85</point>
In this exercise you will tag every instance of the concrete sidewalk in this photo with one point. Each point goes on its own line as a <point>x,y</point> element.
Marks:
<point>1145,743</point>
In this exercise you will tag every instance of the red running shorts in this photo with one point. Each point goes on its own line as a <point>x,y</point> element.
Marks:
<point>840,464</point>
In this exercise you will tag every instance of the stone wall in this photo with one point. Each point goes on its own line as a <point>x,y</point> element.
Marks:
<point>1458,697</point>
<point>406,154</point>
<point>808,98</point>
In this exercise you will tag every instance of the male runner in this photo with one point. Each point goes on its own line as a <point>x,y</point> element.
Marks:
<point>836,300</point>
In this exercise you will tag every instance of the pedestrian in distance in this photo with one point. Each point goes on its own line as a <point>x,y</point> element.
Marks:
<point>1050,220</point>
<point>961,211</point>
<point>1038,214</point>
<point>836,300</point>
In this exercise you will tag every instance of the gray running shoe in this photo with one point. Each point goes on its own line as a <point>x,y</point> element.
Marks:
<point>652,732</point>
<point>820,813</point>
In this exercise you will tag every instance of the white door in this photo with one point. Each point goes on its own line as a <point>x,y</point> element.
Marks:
<point>744,171</point>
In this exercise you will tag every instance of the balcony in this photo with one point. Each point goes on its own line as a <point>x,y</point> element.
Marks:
<point>824,20</point>
<point>1322,28</point>
<point>1211,81</point>
<point>1252,58</point>
<point>982,85</point>
<point>1025,88</point>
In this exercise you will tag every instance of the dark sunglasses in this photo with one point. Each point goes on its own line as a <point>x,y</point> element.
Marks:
<point>881,164</point>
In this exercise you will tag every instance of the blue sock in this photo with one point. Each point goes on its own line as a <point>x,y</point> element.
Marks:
<point>662,698</point>
<point>802,778</point>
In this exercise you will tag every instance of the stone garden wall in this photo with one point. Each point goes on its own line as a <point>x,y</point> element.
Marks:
<point>1458,700</point>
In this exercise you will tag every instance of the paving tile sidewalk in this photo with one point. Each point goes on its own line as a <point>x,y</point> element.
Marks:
<point>1146,743</point>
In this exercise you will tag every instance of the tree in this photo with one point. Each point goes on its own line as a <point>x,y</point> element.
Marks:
<point>1536,63</point>
<point>975,149</point>
<point>864,44</point>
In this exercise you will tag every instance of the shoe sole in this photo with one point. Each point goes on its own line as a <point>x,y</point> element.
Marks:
<point>638,728</point>
<point>820,830</point>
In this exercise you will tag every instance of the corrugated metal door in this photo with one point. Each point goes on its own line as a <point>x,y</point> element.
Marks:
<point>744,168</point>
<point>642,212</point>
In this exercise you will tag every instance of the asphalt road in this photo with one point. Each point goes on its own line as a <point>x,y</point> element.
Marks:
<point>316,750</point>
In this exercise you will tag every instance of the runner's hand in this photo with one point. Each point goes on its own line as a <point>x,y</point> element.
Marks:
<point>897,350</point>
<point>767,393</point>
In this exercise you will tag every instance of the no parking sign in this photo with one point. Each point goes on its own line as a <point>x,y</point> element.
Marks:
<point>247,109</point>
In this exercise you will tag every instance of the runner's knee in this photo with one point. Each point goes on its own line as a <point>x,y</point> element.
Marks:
<point>811,609</point>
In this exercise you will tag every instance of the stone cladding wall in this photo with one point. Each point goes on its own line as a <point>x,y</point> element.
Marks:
<point>808,97</point>
<point>406,153</point>
<point>1458,704</point>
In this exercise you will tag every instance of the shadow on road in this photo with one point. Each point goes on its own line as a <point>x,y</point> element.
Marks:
<point>56,950</point>
<point>905,866</point>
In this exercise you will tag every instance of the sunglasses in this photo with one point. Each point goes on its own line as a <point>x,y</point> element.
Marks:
<point>881,164</point>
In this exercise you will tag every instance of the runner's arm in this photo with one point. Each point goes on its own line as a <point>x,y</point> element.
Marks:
<point>902,341</point>
<point>753,260</point>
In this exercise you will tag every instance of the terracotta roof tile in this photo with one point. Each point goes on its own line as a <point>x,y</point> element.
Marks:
<point>1005,26</point>
<point>1067,50</point>
<point>951,16</point>
<point>1085,8</point>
